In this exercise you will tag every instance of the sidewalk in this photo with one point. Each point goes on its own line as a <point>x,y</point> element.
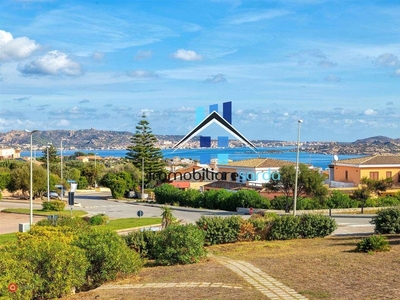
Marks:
<point>9,222</point>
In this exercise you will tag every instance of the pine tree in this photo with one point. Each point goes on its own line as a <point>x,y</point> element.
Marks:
<point>143,151</point>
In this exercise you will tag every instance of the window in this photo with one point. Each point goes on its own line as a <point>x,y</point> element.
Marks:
<point>388,174</point>
<point>346,175</point>
<point>374,175</point>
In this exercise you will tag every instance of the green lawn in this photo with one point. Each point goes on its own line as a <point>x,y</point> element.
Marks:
<point>8,237</point>
<point>39,212</point>
<point>118,224</point>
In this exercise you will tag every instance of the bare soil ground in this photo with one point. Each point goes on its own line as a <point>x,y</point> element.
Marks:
<point>325,268</point>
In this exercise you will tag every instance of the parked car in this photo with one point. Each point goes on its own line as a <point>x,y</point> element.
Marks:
<point>53,195</point>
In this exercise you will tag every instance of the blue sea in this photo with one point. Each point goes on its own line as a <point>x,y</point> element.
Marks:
<point>315,159</point>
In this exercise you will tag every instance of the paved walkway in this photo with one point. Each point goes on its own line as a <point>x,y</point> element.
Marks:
<point>261,281</point>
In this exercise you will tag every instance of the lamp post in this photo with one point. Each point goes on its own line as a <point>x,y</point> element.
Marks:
<point>95,171</point>
<point>61,170</point>
<point>31,182</point>
<point>297,167</point>
<point>48,173</point>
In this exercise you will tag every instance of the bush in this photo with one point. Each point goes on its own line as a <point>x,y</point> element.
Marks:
<point>77,224</point>
<point>56,267</point>
<point>373,243</point>
<point>12,269</point>
<point>247,232</point>
<point>179,244</point>
<point>285,228</point>
<point>387,221</point>
<point>279,202</point>
<point>219,230</point>
<point>142,242</point>
<point>316,225</point>
<point>341,200</point>
<point>262,224</point>
<point>100,219</point>
<point>54,205</point>
<point>167,193</point>
<point>108,255</point>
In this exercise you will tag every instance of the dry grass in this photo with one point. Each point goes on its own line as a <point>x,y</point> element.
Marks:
<point>319,269</point>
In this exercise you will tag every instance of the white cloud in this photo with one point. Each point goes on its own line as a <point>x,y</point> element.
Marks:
<point>258,16</point>
<point>332,78</point>
<point>187,55</point>
<point>99,56</point>
<point>370,112</point>
<point>396,73</point>
<point>142,74</point>
<point>52,63</point>
<point>143,54</point>
<point>15,49</point>
<point>387,60</point>
<point>219,78</point>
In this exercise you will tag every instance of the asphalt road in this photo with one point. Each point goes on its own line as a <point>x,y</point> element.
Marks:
<point>96,202</point>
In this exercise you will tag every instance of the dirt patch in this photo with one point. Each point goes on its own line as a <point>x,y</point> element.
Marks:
<point>325,268</point>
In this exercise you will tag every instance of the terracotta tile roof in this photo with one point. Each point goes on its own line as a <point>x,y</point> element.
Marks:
<point>187,169</point>
<point>373,160</point>
<point>261,163</point>
<point>181,184</point>
<point>229,185</point>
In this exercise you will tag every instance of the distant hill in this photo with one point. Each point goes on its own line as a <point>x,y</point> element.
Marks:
<point>377,140</point>
<point>79,139</point>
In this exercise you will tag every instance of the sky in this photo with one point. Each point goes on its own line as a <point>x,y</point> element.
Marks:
<point>102,64</point>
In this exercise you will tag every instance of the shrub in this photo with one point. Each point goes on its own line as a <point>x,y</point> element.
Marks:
<point>15,270</point>
<point>108,255</point>
<point>167,193</point>
<point>308,204</point>
<point>387,221</point>
<point>249,198</point>
<point>262,223</point>
<point>142,242</point>
<point>388,201</point>
<point>63,233</point>
<point>76,224</point>
<point>56,267</point>
<point>219,230</point>
<point>279,203</point>
<point>179,244</point>
<point>99,219</point>
<point>54,205</point>
<point>316,225</point>
<point>373,243</point>
<point>340,200</point>
<point>285,228</point>
<point>247,232</point>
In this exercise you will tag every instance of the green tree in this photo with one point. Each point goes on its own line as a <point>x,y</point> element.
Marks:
<point>20,180</point>
<point>377,186</point>
<point>143,153</point>
<point>53,158</point>
<point>310,183</point>
<point>370,186</point>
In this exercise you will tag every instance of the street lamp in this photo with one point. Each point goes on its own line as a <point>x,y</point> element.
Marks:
<point>95,171</point>
<point>48,173</point>
<point>31,182</point>
<point>297,167</point>
<point>61,170</point>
